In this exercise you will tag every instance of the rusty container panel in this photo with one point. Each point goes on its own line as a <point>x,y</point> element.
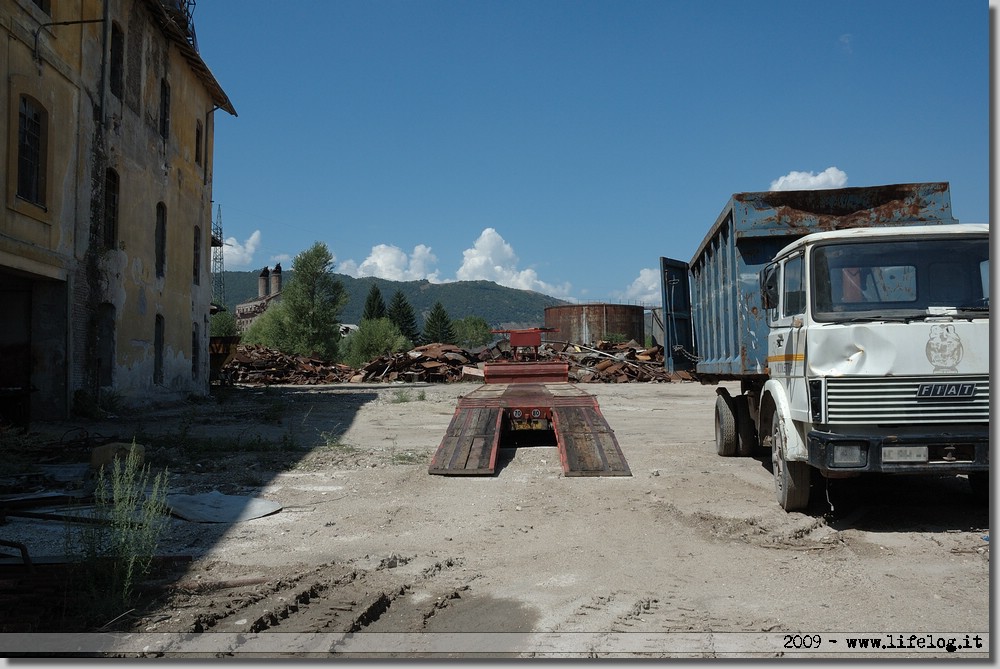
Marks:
<point>590,323</point>
<point>728,319</point>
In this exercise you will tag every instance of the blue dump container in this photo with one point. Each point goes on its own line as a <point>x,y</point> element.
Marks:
<point>714,321</point>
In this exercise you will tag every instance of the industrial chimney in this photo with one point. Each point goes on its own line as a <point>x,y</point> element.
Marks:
<point>276,279</point>
<point>263,283</point>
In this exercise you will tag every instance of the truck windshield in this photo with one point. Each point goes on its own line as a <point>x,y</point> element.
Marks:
<point>869,279</point>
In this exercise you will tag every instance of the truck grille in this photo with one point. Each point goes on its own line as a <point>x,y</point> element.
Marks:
<point>895,400</point>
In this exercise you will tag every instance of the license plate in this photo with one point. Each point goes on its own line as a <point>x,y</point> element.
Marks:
<point>904,454</point>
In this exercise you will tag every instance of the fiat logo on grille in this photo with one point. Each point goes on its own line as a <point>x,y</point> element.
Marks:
<point>945,390</point>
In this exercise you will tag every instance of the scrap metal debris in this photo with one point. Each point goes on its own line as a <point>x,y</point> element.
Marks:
<point>604,362</point>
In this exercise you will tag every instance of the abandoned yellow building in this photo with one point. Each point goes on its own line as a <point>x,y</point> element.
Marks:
<point>105,238</point>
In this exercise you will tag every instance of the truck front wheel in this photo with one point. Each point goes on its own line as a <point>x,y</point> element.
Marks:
<point>726,437</point>
<point>791,479</point>
<point>979,483</point>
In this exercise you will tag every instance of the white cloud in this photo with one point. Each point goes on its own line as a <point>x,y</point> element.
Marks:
<point>239,256</point>
<point>831,177</point>
<point>282,257</point>
<point>847,42</point>
<point>645,289</point>
<point>491,258</point>
<point>392,263</point>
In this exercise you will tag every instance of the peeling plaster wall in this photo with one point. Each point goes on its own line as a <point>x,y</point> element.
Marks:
<point>155,170</point>
<point>73,280</point>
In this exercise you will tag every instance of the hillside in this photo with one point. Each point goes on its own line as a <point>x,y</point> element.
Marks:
<point>497,305</point>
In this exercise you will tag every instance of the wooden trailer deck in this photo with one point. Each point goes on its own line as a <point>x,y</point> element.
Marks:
<point>586,443</point>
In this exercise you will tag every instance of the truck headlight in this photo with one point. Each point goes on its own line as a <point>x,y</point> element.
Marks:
<point>850,454</point>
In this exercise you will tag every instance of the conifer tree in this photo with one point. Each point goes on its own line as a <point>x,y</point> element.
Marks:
<point>374,305</point>
<point>401,314</point>
<point>307,319</point>
<point>437,327</point>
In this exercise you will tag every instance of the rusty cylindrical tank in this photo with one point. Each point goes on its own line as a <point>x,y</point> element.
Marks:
<point>590,323</point>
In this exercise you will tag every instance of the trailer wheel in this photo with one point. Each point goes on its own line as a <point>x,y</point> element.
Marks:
<point>979,483</point>
<point>744,427</point>
<point>791,479</point>
<point>726,437</point>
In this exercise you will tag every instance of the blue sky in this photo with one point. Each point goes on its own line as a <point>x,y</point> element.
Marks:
<point>564,146</point>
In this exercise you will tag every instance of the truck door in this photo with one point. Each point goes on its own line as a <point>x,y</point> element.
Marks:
<point>678,337</point>
<point>786,337</point>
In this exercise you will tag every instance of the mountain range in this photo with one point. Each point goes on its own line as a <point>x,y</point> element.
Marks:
<point>498,305</point>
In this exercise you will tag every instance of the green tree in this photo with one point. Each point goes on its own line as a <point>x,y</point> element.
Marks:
<point>437,327</point>
<point>472,332</point>
<point>373,339</point>
<point>307,319</point>
<point>374,305</point>
<point>223,324</point>
<point>401,314</point>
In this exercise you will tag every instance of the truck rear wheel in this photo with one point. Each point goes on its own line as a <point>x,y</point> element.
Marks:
<point>791,479</point>
<point>726,437</point>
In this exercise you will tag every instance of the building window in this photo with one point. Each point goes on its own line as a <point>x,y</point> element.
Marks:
<point>110,209</point>
<point>117,61</point>
<point>105,344</point>
<point>161,239</point>
<point>195,351</point>
<point>44,5</point>
<point>197,255</point>
<point>32,136</point>
<point>164,109</point>
<point>158,351</point>
<point>198,139</point>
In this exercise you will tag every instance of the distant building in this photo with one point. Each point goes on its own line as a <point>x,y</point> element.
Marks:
<point>107,112</point>
<point>268,292</point>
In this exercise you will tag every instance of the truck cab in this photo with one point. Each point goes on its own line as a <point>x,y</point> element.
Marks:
<point>877,355</point>
<point>856,321</point>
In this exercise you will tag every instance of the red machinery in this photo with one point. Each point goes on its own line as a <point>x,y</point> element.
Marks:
<point>528,395</point>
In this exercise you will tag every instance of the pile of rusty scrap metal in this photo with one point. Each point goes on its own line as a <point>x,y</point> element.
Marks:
<point>253,364</point>
<point>613,363</point>
<point>445,363</point>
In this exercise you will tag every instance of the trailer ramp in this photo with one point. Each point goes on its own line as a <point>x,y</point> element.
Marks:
<point>586,443</point>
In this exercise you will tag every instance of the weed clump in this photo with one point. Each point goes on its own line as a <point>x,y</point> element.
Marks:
<point>117,546</point>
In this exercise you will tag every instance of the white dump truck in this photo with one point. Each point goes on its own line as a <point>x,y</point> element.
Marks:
<point>857,323</point>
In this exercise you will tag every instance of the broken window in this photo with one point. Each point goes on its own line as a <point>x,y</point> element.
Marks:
<point>195,351</point>
<point>117,61</point>
<point>32,132</point>
<point>158,351</point>
<point>198,132</point>
<point>161,239</point>
<point>164,109</point>
<point>197,255</point>
<point>110,208</point>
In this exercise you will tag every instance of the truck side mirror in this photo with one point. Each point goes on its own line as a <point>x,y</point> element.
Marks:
<point>769,286</point>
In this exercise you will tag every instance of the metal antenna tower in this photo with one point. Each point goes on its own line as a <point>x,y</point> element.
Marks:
<point>218,264</point>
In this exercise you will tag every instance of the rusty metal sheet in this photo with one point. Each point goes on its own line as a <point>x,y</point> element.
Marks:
<point>526,372</point>
<point>587,444</point>
<point>470,445</point>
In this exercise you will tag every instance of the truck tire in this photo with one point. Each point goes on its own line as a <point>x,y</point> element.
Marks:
<point>791,479</point>
<point>744,427</point>
<point>979,483</point>
<point>726,437</point>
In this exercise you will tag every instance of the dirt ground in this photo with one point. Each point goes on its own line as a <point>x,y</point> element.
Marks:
<point>370,556</point>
